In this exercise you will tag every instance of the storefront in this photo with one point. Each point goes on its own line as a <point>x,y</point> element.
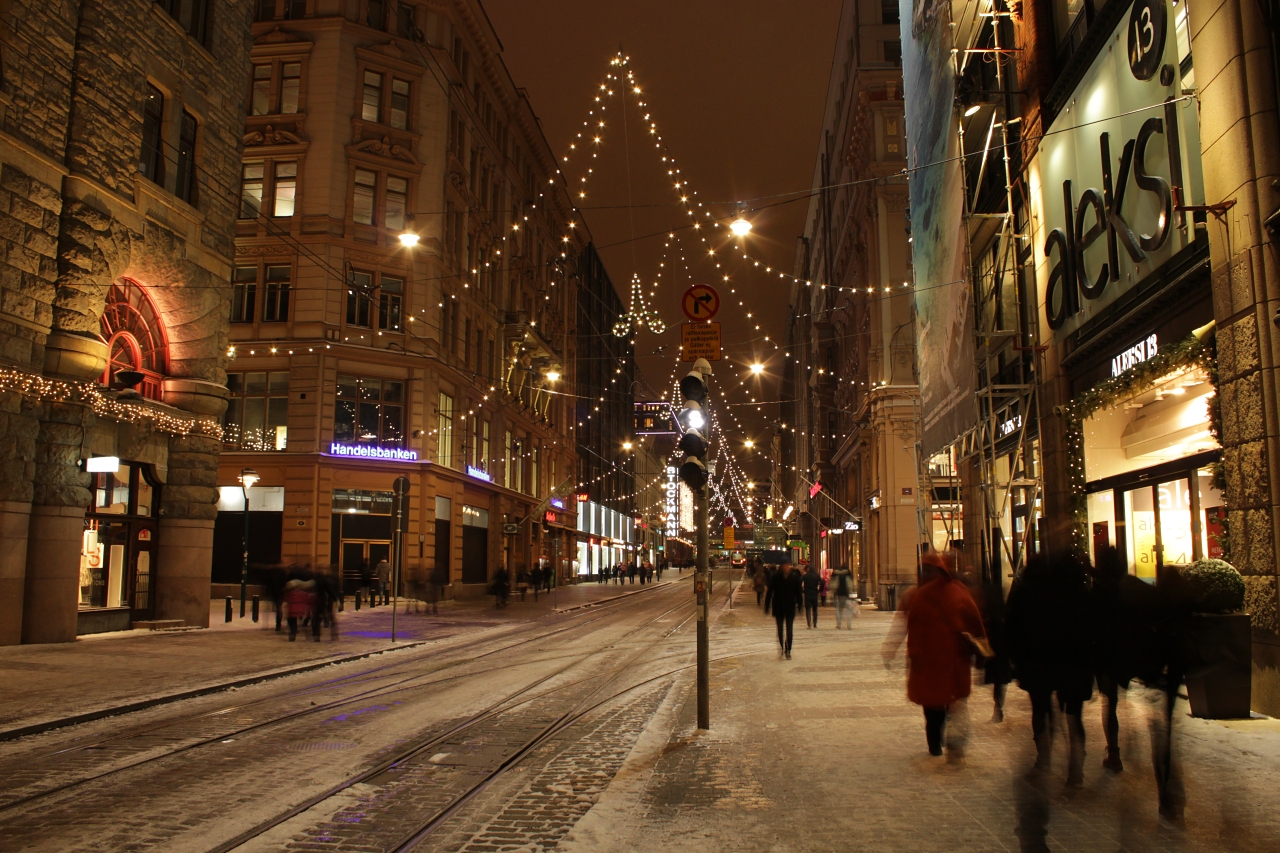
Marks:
<point>1123,274</point>
<point>117,556</point>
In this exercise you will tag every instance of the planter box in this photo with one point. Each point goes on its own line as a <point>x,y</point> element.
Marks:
<point>1219,677</point>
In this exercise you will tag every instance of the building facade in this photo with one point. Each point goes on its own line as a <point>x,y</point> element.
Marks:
<point>851,436</point>
<point>405,295</point>
<point>118,170</point>
<point>1116,196</point>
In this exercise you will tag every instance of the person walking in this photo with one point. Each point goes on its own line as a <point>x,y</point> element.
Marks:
<point>842,585</point>
<point>812,585</point>
<point>785,592</point>
<point>1049,629</point>
<point>758,584</point>
<point>297,603</point>
<point>535,579</point>
<point>942,627</point>
<point>383,574</point>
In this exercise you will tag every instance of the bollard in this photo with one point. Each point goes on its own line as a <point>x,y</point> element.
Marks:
<point>342,599</point>
<point>357,599</point>
<point>228,608</point>
<point>255,608</point>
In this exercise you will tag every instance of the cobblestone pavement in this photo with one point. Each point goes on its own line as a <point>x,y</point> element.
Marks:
<point>824,753</point>
<point>192,774</point>
<point>45,682</point>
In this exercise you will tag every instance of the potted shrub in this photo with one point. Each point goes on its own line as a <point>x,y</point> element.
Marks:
<point>1221,642</point>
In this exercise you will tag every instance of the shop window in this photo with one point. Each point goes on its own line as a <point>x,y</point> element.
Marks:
<point>135,339</point>
<point>257,415</point>
<point>284,189</point>
<point>185,185</point>
<point>369,411</point>
<point>244,294</point>
<point>275,296</point>
<point>151,163</point>
<point>366,187</point>
<point>444,430</point>
<point>362,502</point>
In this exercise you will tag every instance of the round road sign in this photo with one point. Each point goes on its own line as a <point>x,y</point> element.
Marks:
<point>700,303</point>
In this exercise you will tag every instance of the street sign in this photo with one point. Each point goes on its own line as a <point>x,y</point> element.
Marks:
<point>728,537</point>
<point>701,302</point>
<point>700,340</point>
<point>510,529</point>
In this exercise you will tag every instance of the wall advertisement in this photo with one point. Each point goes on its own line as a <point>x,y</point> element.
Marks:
<point>944,309</point>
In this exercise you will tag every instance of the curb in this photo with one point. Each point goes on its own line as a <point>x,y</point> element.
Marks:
<point>143,704</point>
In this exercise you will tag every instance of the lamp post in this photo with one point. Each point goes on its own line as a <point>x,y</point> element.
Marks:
<point>247,478</point>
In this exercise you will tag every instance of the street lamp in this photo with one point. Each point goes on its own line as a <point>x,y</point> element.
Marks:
<point>757,368</point>
<point>408,237</point>
<point>247,478</point>
<point>740,227</point>
<point>749,444</point>
<point>626,445</point>
<point>553,376</point>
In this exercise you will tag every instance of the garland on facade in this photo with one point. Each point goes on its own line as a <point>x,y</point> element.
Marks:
<point>36,387</point>
<point>1189,353</point>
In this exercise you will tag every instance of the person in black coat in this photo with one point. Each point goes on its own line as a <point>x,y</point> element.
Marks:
<point>1049,626</point>
<point>812,585</point>
<point>785,592</point>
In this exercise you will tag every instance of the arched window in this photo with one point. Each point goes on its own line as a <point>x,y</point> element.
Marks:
<point>135,337</point>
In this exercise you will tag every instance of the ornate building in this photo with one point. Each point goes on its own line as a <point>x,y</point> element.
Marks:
<point>853,426</point>
<point>405,292</point>
<point>119,162</point>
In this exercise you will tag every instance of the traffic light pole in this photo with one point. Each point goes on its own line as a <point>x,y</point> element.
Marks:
<point>702,587</point>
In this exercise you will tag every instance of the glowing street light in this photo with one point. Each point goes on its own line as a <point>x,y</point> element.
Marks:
<point>553,376</point>
<point>626,445</point>
<point>740,226</point>
<point>749,443</point>
<point>757,368</point>
<point>408,237</point>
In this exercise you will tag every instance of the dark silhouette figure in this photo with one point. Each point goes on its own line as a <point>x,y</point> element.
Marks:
<point>785,592</point>
<point>500,588</point>
<point>812,583</point>
<point>1049,623</point>
<point>535,580</point>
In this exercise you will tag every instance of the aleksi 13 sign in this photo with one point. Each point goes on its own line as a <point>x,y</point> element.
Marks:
<point>1113,166</point>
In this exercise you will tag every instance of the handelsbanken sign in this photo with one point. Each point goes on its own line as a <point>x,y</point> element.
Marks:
<point>369,451</point>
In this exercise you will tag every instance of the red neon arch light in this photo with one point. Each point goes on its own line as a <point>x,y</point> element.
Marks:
<point>135,337</point>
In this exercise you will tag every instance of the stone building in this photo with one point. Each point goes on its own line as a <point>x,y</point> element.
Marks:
<point>853,425</point>
<point>119,161</point>
<point>404,302</point>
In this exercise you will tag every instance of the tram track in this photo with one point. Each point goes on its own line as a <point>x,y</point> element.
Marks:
<point>201,739</point>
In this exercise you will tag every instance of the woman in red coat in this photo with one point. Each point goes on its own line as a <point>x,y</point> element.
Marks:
<point>942,626</point>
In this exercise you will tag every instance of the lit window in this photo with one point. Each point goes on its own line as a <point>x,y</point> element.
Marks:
<point>290,86</point>
<point>260,104</point>
<point>275,296</point>
<point>399,117</point>
<point>257,415</point>
<point>369,411</point>
<point>285,189</point>
<point>366,184</point>
<point>371,109</point>
<point>251,180</point>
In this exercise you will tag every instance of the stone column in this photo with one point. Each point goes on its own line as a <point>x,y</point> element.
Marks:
<point>1241,154</point>
<point>187,512</point>
<point>15,518</point>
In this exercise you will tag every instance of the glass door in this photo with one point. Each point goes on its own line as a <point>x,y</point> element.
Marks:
<point>1142,532</point>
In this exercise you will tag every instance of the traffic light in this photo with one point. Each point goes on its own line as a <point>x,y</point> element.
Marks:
<point>694,427</point>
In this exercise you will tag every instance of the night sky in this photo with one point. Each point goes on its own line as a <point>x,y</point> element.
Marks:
<point>737,92</point>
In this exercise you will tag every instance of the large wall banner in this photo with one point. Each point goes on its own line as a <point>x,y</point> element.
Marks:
<point>944,306</point>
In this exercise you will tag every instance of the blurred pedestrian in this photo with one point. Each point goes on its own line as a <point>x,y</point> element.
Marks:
<point>825,574</point>
<point>1049,627</point>
<point>942,627</point>
<point>758,584</point>
<point>1124,609</point>
<point>439,580</point>
<point>842,585</point>
<point>535,580</point>
<point>366,583</point>
<point>500,587</point>
<point>522,581</point>
<point>785,592</point>
<point>383,577</point>
<point>811,583</point>
<point>297,602</point>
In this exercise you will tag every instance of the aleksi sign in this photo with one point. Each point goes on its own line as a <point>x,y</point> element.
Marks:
<point>1111,169</point>
<point>1136,354</point>
<point>368,451</point>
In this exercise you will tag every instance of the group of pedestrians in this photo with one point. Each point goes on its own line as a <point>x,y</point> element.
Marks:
<point>783,589</point>
<point>630,571</point>
<point>304,598</point>
<point>1065,627</point>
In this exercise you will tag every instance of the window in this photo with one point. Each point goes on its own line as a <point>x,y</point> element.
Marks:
<point>484,445</point>
<point>473,452</point>
<point>264,10</point>
<point>191,15</point>
<point>517,466</point>
<point>506,458</point>
<point>399,117</point>
<point>376,14</point>
<point>275,297</point>
<point>889,13</point>
<point>251,182</point>
<point>893,51</point>
<point>444,431</point>
<point>534,484</point>
<point>360,300</point>
<point>295,9</point>
<point>455,134</point>
<point>390,297</point>
<point>405,24</point>
<point>185,187</point>
<point>244,294</point>
<point>260,102</point>
<point>397,202</point>
<point>151,163</point>
<point>285,189</point>
<point>258,411</point>
<point>371,110</point>
<point>290,87</point>
<point>362,201</point>
<point>369,411</point>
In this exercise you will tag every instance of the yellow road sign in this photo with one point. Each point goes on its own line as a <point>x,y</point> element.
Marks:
<point>700,340</point>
